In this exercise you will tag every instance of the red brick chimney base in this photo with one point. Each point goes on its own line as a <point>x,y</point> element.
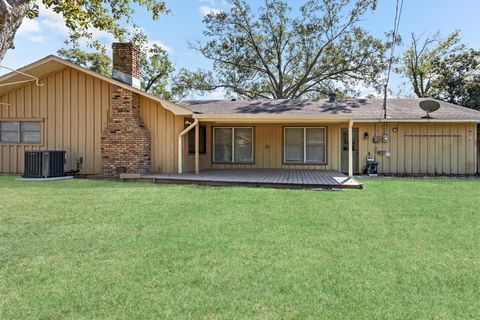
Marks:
<point>125,140</point>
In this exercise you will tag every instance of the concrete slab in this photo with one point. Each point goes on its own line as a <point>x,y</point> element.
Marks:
<point>46,179</point>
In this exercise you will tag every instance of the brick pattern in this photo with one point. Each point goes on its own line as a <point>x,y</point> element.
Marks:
<point>126,58</point>
<point>125,141</point>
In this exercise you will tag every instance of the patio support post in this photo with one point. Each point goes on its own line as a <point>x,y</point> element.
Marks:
<point>180,145</point>
<point>197,149</point>
<point>350,147</point>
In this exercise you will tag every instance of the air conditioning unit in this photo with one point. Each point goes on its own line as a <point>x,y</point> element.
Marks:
<point>44,164</point>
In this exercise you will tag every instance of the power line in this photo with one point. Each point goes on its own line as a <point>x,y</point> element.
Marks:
<point>396,26</point>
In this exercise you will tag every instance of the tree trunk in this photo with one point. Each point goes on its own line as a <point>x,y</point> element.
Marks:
<point>12,13</point>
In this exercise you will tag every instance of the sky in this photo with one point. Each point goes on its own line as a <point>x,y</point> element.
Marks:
<point>174,32</point>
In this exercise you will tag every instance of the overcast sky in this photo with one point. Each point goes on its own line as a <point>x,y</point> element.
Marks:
<point>45,35</point>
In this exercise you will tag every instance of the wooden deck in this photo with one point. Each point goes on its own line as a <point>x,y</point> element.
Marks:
<point>275,178</point>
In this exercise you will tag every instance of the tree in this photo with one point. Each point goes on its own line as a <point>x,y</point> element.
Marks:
<point>155,71</point>
<point>457,78</point>
<point>419,59</point>
<point>277,55</point>
<point>81,17</point>
<point>97,61</point>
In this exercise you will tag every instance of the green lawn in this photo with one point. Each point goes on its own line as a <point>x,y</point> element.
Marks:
<point>399,249</point>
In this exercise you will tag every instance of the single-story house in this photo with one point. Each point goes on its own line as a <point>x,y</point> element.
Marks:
<point>116,128</point>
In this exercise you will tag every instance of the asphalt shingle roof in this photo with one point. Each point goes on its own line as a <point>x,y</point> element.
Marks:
<point>360,109</point>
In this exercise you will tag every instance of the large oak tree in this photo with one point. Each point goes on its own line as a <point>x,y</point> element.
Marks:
<point>457,78</point>
<point>443,68</point>
<point>81,16</point>
<point>420,58</point>
<point>278,54</point>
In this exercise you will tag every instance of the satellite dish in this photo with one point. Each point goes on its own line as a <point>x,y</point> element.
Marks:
<point>429,106</point>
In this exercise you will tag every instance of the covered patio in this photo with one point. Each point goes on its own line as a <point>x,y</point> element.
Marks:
<point>272,178</point>
<point>267,138</point>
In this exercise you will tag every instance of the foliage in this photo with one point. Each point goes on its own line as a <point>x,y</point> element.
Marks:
<point>420,58</point>
<point>86,249</point>
<point>457,78</point>
<point>97,61</point>
<point>443,69</point>
<point>81,17</point>
<point>155,70</point>
<point>276,55</point>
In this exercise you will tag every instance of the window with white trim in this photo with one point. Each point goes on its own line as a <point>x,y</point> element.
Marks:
<point>305,145</point>
<point>233,144</point>
<point>27,132</point>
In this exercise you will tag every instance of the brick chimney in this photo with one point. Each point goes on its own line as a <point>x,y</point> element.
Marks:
<point>126,63</point>
<point>125,140</point>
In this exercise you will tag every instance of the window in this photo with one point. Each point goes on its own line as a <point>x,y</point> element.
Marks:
<point>20,132</point>
<point>305,145</point>
<point>202,133</point>
<point>234,145</point>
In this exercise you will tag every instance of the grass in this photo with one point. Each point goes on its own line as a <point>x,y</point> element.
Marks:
<point>399,249</point>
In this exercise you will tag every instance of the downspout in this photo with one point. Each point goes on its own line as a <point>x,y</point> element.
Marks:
<point>180,145</point>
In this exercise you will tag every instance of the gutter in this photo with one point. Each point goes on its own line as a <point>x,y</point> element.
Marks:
<point>273,118</point>
<point>418,120</point>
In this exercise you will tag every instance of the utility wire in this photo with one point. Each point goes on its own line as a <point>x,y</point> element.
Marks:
<point>396,25</point>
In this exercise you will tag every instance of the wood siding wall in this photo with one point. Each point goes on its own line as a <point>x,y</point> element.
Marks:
<point>422,148</point>
<point>428,148</point>
<point>268,148</point>
<point>73,107</point>
<point>164,129</point>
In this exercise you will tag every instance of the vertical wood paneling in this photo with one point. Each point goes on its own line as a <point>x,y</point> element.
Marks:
<point>270,135</point>
<point>438,149</point>
<point>66,104</point>
<point>20,102</point>
<point>408,148</point>
<point>17,111</point>
<point>27,96</point>
<point>74,125</point>
<point>50,121</point>
<point>162,141</point>
<point>385,147</point>
<point>74,109</point>
<point>447,148</point>
<point>89,123</point>
<point>431,148</point>
<point>58,111</point>
<point>73,115</point>
<point>4,156</point>
<point>82,148</point>
<point>454,149</point>
<point>393,136</point>
<point>11,109</point>
<point>470,133</point>
<point>461,150</point>
<point>97,124</point>
<point>401,149</point>
<point>424,142</point>
<point>164,129</point>
<point>414,148</point>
